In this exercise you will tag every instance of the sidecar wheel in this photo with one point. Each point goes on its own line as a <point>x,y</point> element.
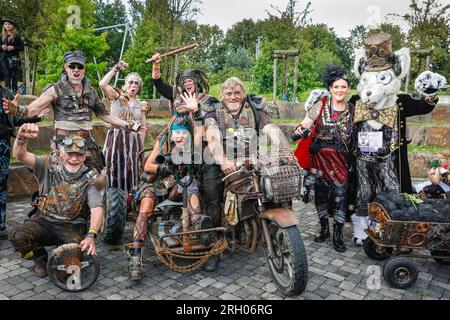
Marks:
<point>401,273</point>
<point>289,267</point>
<point>375,252</point>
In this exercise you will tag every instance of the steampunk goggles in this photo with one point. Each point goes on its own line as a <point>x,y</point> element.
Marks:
<point>69,141</point>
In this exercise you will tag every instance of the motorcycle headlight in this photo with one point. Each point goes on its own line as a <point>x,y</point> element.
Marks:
<point>266,187</point>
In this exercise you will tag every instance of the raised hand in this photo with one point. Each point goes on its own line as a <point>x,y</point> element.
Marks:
<point>28,130</point>
<point>11,106</point>
<point>428,83</point>
<point>190,100</point>
<point>121,65</point>
<point>156,58</point>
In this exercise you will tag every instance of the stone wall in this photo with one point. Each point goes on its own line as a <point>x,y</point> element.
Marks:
<point>21,183</point>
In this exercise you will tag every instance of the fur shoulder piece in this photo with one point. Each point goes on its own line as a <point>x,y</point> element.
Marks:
<point>257,102</point>
<point>314,97</point>
<point>210,104</point>
<point>428,83</point>
<point>98,181</point>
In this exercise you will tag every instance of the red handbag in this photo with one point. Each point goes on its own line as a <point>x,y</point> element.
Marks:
<point>302,153</point>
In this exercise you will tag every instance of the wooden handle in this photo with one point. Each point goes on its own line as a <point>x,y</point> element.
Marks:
<point>174,52</point>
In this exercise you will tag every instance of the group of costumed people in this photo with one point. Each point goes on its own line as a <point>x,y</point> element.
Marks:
<point>359,147</point>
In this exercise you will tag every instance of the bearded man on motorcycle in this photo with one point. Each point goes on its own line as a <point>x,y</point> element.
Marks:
<point>233,129</point>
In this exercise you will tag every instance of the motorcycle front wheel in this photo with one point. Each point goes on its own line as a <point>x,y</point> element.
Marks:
<point>289,265</point>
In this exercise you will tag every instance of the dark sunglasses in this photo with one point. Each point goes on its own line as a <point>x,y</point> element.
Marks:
<point>131,82</point>
<point>77,66</point>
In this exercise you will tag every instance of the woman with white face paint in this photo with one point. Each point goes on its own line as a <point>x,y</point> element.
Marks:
<point>122,147</point>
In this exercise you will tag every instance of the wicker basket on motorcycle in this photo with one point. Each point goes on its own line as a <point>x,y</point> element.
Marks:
<point>281,176</point>
<point>406,234</point>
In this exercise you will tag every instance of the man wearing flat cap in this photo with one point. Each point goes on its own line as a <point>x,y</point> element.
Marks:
<point>74,101</point>
<point>70,200</point>
<point>11,45</point>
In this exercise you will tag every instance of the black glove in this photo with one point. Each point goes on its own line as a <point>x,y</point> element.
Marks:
<point>297,136</point>
<point>164,170</point>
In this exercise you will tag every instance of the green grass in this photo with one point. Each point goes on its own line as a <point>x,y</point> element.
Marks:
<point>40,152</point>
<point>427,149</point>
<point>428,123</point>
<point>286,120</point>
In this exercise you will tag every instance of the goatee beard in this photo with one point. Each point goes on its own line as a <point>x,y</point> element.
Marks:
<point>80,81</point>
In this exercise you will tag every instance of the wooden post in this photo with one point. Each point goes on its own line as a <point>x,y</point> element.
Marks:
<point>296,78</point>
<point>175,70</point>
<point>275,79</point>
<point>285,76</point>
<point>27,69</point>
<point>33,88</point>
<point>428,62</point>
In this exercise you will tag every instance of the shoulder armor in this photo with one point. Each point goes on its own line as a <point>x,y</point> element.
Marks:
<point>98,180</point>
<point>314,97</point>
<point>210,104</point>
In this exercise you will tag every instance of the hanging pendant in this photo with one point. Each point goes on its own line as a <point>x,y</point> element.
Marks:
<point>127,115</point>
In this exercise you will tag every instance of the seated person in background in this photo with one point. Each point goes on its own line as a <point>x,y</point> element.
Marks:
<point>437,185</point>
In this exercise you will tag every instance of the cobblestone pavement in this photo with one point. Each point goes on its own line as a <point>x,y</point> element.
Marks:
<point>332,275</point>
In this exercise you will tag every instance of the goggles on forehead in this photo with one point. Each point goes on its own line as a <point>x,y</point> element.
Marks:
<point>180,132</point>
<point>69,141</point>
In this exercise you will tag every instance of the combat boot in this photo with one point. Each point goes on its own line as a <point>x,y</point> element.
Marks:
<point>324,233</point>
<point>135,269</point>
<point>338,237</point>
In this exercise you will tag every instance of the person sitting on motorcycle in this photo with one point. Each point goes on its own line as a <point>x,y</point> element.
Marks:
<point>232,130</point>
<point>177,137</point>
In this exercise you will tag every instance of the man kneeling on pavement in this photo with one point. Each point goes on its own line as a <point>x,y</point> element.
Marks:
<point>70,194</point>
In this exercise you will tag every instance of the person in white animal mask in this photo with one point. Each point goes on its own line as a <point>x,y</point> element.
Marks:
<point>380,116</point>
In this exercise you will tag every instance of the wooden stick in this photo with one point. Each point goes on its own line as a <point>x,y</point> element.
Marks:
<point>174,52</point>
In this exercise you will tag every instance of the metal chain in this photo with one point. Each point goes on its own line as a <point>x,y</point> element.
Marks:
<point>165,255</point>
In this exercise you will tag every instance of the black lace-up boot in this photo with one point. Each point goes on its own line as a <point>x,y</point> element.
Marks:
<point>338,237</point>
<point>324,231</point>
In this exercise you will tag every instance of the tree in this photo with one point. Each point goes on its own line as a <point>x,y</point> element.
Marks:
<point>429,24</point>
<point>70,31</point>
<point>160,24</point>
<point>110,13</point>
<point>291,30</point>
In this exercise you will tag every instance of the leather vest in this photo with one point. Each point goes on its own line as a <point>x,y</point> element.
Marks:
<point>238,133</point>
<point>68,106</point>
<point>66,201</point>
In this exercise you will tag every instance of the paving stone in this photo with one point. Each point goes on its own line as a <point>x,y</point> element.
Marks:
<point>332,275</point>
<point>351,295</point>
<point>228,296</point>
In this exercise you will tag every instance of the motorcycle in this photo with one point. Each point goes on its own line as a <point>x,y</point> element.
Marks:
<point>258,212</point>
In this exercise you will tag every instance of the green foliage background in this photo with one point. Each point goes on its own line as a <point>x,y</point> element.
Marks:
<point>159,25</point>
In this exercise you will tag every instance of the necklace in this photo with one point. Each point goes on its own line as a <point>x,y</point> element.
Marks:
<point>127,114</point>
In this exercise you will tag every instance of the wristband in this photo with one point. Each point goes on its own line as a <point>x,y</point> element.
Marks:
<point>156,67</point>
<point>92,234</point>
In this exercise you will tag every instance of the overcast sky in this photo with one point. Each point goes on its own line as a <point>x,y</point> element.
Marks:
<point>342,15</point>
